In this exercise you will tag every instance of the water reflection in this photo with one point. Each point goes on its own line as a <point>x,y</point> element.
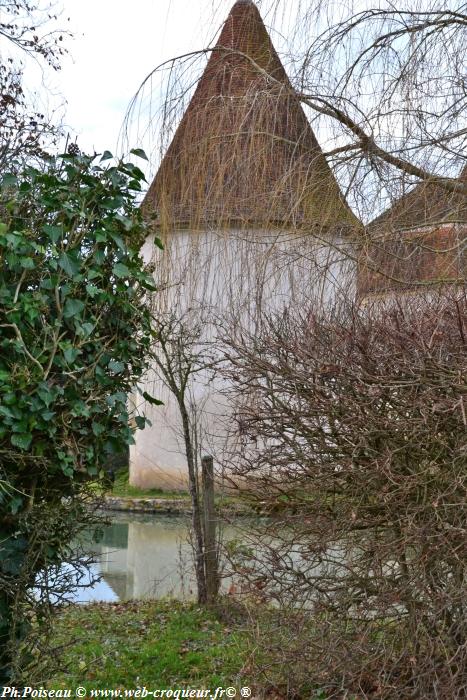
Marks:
<point>142,556</point>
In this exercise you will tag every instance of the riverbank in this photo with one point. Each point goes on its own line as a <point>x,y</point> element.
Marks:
<point>173,646</point>
<point>127,498</point>
<point>167,506</point>
<point>163,506</point>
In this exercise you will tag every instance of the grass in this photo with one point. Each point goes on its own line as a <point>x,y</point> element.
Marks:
<point>166,643</point>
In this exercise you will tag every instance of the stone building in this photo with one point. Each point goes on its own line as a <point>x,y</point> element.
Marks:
<point>252,219</point>
<point>417,245</point>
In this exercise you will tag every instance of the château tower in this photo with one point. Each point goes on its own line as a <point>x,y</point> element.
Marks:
<point>252,219</point>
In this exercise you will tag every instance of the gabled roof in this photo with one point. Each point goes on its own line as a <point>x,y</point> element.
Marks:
<point>426,204</point>
<point>244,152</point>
<point>414,244</point>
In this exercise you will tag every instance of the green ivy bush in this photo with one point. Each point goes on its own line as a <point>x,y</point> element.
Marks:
<point>75,337</point>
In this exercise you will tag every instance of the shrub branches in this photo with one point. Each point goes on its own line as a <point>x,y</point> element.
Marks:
<point>354,436</point>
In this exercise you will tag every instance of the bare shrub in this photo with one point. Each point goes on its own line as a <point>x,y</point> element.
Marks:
<point>353,428</point>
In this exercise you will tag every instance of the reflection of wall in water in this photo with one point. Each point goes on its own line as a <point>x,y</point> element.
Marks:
<point>147,559</point>
<point>112,559</point>
<point>113,566</point>
<point>159,559</point>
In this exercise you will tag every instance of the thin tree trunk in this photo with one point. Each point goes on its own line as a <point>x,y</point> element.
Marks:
<point>195,505</point>
<point>7,528</point>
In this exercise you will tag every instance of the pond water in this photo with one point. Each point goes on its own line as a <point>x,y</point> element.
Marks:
<point>141,556</point>
<point>138,556</point>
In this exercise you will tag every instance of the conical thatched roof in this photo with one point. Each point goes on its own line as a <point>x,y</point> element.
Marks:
<point>244,153</point>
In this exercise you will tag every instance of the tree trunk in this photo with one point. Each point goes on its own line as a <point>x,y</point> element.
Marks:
<point>195,505</point>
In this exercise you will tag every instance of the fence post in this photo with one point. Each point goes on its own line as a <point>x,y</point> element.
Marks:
<point>210,541</point>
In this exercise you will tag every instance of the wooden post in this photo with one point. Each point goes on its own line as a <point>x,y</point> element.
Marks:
<point>210,543</point>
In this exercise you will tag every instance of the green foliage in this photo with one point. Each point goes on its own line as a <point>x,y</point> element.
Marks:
<point>75,333</point>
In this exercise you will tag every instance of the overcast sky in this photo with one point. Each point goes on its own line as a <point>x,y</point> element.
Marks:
<point>116,44</point>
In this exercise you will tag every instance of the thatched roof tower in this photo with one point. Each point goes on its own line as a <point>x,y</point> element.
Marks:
<point>244,154</point>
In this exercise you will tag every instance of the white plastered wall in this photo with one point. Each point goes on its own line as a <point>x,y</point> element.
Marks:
<point>218,281</point>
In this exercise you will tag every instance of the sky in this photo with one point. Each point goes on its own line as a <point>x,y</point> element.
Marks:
<point>116,44</point>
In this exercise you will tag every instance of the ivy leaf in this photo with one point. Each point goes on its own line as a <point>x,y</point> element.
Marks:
<point>139,153</point>
<point>27,263</point>
<point>140,422</point>
<point>116,366</point>
<point>125,221</point>
<point>67,470</point>
<point>47,283</point>
<point>13,239</point>
<point>152,400</point>
<point>71,354</point>
<point>72,307</point>
<point>148,282</point>
<point>53,232</point>
<point>68,264</point>
<point>48,415</point>
<point>22,440</point>
<point>80,409</point>
<point>85,329</point>
<point>7,412</point>
<point>100,236</point>
<point>121,270</point>
<point>115,202</point>
<point>92,290</point>
<point>118,240</point>
<point>97,428</point>
<point>118,397</point>
<point>15,504</point>
<point>107,155</point>
<point>46,394</point>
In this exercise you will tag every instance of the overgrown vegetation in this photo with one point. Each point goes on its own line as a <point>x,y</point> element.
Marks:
<point>353,427</point>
